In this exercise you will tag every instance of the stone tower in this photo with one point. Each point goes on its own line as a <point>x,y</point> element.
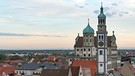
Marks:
<point>101,45</point>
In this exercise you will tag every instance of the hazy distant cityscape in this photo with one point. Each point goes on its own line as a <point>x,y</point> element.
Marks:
<point>67,38</point>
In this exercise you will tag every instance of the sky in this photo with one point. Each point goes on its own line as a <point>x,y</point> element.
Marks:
<point>54,24</point>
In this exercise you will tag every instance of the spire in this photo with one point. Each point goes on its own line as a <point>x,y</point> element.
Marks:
<point>113,32</point>
<point>101,9</point>
<point>88,21</point>
<point>78,34</point>
<point>113,35</point>
<point>101,15</point>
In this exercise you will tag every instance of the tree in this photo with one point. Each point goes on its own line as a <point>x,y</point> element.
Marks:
<point>2,56</point>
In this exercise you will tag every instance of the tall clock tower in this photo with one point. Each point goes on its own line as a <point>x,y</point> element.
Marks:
<point>101,45</point>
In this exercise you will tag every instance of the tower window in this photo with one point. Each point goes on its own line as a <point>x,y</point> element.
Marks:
<point>81,49</point>
<point>90,40</point>
<point>101,52</point>
<point>99,37</point>
<point>101,64</point>
<point>84,50</point>
<point>89,54</point>
<point>88,49</point>
<point>77,49</point>
<point>84,55</point>
<point>102,37</point>
<point>103,21</point>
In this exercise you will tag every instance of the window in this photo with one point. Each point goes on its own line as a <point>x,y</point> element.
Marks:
<point>88,54</point>
<point>84,50</point>
<point>99,37</point>
<point>102,37</point>
<point>77,54</point>
<point>84,55</point>
<point>90,40</point>
<point>88,49</point>
<point>101,52</point>
<point>80,73</point>
<point>81,49</point>
<point>103,21</point>
<point>77,49</point>
<point>101,64</point>
<point>86,40</point>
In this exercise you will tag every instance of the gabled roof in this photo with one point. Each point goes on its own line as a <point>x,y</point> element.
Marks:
<point>79,42</point>
<point>75,70</point>
<point>54,72</point>
<point>127,69</point>
<point>86,64</point>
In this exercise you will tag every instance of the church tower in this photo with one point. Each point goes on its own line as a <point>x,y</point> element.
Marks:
<point>101,44</point>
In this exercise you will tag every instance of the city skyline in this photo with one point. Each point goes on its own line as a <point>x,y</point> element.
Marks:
<point>40,24</point>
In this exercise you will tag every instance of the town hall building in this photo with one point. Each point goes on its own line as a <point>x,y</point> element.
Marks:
<point>101,47</point>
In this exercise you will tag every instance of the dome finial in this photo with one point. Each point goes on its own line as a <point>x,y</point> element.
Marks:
<point>88,20</point>
<point>113,32</point>
<point>101,4</point>
<point>101,9</point>
<point>78,34</point>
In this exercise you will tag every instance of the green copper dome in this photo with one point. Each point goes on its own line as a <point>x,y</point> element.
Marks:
<point>88,30</point>
<point>101,15</point>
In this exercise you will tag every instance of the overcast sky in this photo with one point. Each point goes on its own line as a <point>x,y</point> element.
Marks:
<point>51,24</point>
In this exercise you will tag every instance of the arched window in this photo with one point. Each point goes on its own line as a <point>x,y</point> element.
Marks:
<point>101,52</point>
<point>99,37</point>
<point>89,55</point>
<point>102,37</point>
<point>103,21</point>
<point>84,55</point>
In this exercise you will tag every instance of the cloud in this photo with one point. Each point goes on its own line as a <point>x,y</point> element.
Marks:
<point>114,4</point>
<point>16,34</point>
<point>96,11</point>
<point>110,12</point>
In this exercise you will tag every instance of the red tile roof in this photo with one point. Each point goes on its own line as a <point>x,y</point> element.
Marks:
<point>86,64</point>
<point>51,58</point>
<point>79,43</point>
<point>75,70</point>
<point>7,69</point>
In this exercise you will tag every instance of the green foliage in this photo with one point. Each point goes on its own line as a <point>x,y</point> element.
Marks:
<point>2,56</point>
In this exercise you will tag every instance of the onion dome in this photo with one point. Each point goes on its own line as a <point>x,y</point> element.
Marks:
<point>101,15</point>
<point>88,29</point>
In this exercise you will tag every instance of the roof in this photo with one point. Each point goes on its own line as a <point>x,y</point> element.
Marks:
<point>86,64</point>
<point>101,15</point>
<point>127,69</point>
<point>51,58</point>
<point>79,43</point>
<point>34,66</point>
<point>7,70</point>
<point>75,70</point>
<point>88,30</point>
<point>54,72</point>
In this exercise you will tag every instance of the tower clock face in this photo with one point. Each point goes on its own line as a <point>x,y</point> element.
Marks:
<point>100,43</point>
